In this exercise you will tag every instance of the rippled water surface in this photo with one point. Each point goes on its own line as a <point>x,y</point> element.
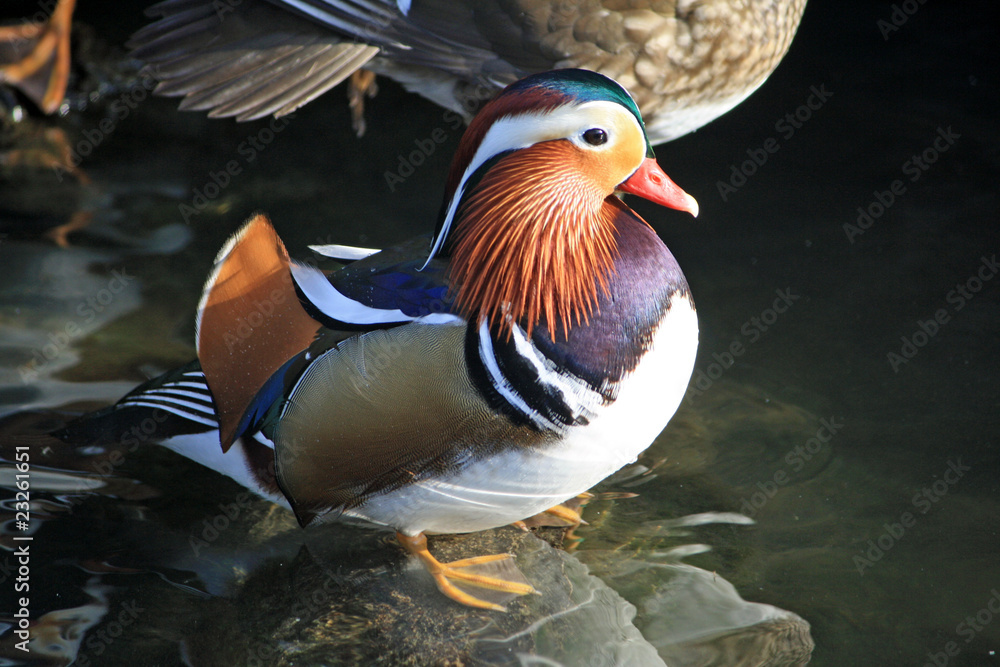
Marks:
<point>830,479</point>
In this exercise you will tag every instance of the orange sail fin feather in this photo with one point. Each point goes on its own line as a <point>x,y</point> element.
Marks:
<point>536,252</point>
<point>250,321</point>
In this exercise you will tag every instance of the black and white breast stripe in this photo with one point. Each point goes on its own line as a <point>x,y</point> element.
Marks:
<point>519,381</point>
<point>187,396</point>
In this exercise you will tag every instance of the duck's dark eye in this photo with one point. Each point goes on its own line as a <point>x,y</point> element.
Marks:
<point>595,136</point>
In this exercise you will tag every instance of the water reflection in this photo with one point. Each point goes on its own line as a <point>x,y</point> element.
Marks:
<point>235,567</point>
<point>56,637</point>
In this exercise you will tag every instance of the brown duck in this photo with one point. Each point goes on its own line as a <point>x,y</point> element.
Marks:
<point>685,61</point>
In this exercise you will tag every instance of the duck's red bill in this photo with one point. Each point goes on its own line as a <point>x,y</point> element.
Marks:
<point>650,182</point>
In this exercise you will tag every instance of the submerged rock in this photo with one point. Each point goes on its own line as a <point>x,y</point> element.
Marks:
<point>315,610</point>
<point>696,618</point>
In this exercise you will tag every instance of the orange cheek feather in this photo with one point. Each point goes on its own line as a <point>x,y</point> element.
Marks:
<point>535,240</point>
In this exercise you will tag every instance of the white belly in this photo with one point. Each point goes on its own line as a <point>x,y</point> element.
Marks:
<point>521,482</point>
<point>204,448</point>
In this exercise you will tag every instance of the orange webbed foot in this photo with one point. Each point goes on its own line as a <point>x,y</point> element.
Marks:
<point>561,516</point>
<point>453,578</point>
<point>41,69</point>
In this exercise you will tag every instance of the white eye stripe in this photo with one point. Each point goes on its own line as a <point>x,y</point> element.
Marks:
<point>516,132</point>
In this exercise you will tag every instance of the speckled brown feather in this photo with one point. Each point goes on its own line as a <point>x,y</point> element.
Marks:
<point>685,50</point>
<point>685,61</point>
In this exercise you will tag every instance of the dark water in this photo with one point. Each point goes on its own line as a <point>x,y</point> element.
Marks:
<point>845,398</point>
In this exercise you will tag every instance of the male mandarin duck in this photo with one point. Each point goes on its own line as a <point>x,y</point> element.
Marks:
<point>537,344</point>
<point>686,61</point>
<point>35,57</point>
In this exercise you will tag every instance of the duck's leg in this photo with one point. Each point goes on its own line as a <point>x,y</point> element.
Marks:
<point>446,573</point>
<point>361,85</point>
<point>567,514</point>
<point>43,71</point>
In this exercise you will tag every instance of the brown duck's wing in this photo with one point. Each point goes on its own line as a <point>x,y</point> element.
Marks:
<point>521,36</point>
<point>668,54</point>
<point>685,63</point>
<point>248,59</point>
<point>382,410</point>
<point>255,58</point>
<point>442,35</point>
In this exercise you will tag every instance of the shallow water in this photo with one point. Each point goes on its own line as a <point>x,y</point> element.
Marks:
<point>871,479</point>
